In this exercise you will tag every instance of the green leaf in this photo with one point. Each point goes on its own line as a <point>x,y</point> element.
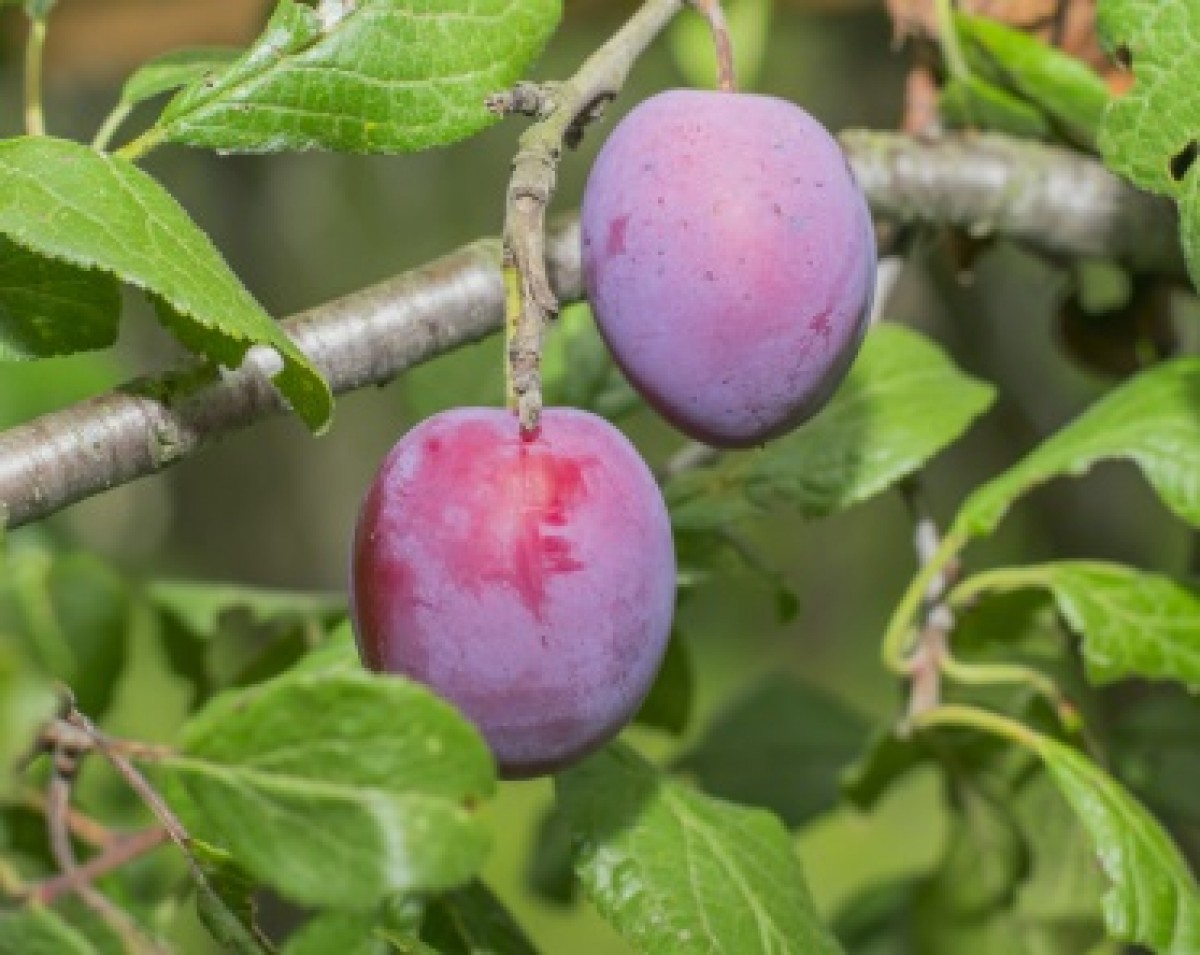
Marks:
<point>1152,746</point>
<point>1150,134</point>
<point>26,701</point>
<point>345,933</point>
<point>472,921</point>
<point>675,871</point>
<point>668,707</point>
<point>391,928</point>
<point>203,607</point>
<point>225,902</point>
<point>902,403</point>
<point>178,68</point>
<point>38,931</point>
<point>986,857</point>
<point>216,635</point>
<point>782,746</point>
<point>691,43</point>
<point>339,653</point>
<point>1132,623</point>
<point>68,202</point>
<point>1018,876</point>
<point>371,76</point>
<point>886,759</point>
<point>73,613</point>
<point>1060,85</point>
<point>970,101</point>
<point>337,788</point>
<point>1154,421</point>
<point>549,871</point>
<point>49,307</point>
<point>1065,884</point>
<point>1153,900</point>
<point>578,370</point>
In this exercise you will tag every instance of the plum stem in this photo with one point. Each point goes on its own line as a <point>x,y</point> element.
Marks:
<point>983,720</point>
<point>714,13</point>
<point>562,111</point>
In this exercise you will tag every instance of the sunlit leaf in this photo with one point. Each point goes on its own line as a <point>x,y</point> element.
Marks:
<point>65,201</point>
<point>676,871</point>
<point>1154,421</point>
<point>337,788</point>
<point>368,76</point>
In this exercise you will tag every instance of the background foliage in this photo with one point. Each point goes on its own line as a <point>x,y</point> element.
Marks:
<point>765,801</point>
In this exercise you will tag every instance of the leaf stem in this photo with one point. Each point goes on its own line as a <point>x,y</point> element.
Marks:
<point>897,638</point>
<point>111,124</point>
<point>956,61</point>
<point>134,150</point>
<point>985,720</point>
<point>994,674</point>
<point>999,580</point>
<point>35,120</point>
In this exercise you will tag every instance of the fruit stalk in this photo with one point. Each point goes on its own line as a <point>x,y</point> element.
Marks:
<point>566,109</point>
<point>714,13</point>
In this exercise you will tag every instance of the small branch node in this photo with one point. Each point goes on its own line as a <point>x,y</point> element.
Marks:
<point>524,99</point>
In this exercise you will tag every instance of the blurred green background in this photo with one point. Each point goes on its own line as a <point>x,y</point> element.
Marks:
<point>275,507</point>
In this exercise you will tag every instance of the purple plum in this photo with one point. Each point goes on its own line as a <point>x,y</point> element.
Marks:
<point>730,261</point>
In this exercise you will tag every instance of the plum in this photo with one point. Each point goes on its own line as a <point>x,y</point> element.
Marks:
<point>730,261</point>
<point>527,578</point>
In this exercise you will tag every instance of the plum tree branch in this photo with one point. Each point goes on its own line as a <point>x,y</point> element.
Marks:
<point>1052,199</point>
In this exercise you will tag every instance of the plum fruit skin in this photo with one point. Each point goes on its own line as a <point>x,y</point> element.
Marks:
<point>530,581</point>
<point>730,261</point>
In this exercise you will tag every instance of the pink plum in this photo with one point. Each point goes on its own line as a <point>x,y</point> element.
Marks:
<point>530,580</point>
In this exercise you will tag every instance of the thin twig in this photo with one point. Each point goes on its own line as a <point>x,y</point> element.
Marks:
<point>926,660</point>
<point>1049,198</point>
<point>120,852</point>
<point>565,108</point>
<point>136,781</point>
<point>58,806</point>
<point>84,828</point>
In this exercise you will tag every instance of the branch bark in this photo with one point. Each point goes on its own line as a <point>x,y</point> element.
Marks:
<point>1056,201</point>
<point>1052,199</point>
